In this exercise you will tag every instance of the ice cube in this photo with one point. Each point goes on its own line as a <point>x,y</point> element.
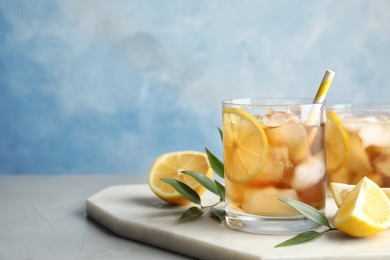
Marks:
<point>278,118</point>
<point>370,119</point>
<point>277,166</point>
<point>266,201</point>
<point>294,136</point>
<point>350,122</point>
<point>309,172</point>
<point>375,135</point>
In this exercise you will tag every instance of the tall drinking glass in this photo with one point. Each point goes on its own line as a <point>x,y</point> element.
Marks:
<point>358,137</point>
<point>273,149</point>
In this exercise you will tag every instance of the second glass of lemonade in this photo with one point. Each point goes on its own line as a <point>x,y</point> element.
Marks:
<point>358,143</point>
<point>273,149</point>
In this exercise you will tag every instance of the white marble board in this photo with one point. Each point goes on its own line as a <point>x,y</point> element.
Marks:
<point>134,212</point>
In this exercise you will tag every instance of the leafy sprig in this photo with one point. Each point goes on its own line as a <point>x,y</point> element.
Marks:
<point>312,214</point>
<point>212,185</point>
<point>218,189</point>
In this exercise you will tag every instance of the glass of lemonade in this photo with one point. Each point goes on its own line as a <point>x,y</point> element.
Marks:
<point>358,143</point>
<point>273,149</point>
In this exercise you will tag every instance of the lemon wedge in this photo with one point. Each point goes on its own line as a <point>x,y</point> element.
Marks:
<point>341,190</point>
<point>365,211</point>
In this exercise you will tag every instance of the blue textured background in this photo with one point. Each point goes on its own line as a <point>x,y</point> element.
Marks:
<point>99,86</point>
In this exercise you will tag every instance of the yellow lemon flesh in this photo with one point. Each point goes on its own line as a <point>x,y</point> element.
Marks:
<point>365,211</point>
<point>341,190</point>
<point>337,143</point>
<point>169,165</point>
<point>245,145</point>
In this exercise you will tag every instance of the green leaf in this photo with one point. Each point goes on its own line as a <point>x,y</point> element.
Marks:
<point>191,213</point>
<point>301,238</point>
<point>221,190</point>
<point>308,211</point>
<point>183,189</point>
<point>219,213</point>
<point>204,181</point>
<point>220,133</point>
<point>215,163</point>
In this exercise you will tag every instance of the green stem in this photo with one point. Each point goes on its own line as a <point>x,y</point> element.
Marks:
<point>210,206</point>
<point>330,229</point>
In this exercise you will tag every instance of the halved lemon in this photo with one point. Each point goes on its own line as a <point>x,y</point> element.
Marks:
<point>337,143</point>
<point>341,190</point>
<point>169,165</point>
<point>365,211</point>
<point>245,145</point>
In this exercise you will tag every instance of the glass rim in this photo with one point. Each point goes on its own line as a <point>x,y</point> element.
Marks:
<point>365,107</point>
<point>271,101</point>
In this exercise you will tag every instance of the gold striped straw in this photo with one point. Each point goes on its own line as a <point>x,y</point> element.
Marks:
<point>319,98</point>
<point>323,89</point>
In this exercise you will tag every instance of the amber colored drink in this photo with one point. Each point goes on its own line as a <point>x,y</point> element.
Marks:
<point>290,164</point>
<point>366,138</point>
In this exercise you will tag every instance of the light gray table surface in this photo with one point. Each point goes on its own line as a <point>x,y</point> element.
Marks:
<point>44,217</point>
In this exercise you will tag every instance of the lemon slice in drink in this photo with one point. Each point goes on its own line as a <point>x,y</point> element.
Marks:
<point>169,165</point>
<point>365,211</point>
<point>341,190</point>
<point>245,145</point>
<point>337,143</point>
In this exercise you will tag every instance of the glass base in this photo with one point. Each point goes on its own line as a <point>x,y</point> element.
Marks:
<point>266,224</point>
